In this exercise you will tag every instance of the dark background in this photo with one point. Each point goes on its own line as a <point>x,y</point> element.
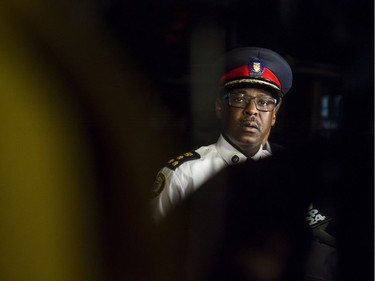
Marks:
<point>328,43</point>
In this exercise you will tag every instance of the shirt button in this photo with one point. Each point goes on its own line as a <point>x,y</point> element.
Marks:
<point>235,159</point>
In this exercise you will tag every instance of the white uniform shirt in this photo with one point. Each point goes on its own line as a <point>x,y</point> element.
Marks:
<point>186,173</point>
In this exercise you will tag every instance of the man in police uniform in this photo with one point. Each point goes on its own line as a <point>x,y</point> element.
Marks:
<point>251,89</point>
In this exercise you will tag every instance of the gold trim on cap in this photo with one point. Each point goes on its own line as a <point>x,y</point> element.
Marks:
<point>255,81</point>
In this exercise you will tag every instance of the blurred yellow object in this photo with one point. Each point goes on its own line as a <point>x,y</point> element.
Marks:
<point>49,52</point>
<point>45,179</point>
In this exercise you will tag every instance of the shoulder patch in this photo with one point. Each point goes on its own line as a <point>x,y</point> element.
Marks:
<point>158,186</point>
<point>177,161</point>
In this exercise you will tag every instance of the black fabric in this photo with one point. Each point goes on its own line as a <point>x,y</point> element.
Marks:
<point>276,148</point>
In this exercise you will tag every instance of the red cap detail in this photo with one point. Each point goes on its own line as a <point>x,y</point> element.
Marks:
<point>243,71</point>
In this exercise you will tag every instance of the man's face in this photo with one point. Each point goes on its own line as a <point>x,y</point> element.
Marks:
<point>246,128</point>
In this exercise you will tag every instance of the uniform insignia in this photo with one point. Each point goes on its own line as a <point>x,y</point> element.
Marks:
<point>316,218</point>
<point>158,185</point>
<point>256,68</point>
<point>176,162</point>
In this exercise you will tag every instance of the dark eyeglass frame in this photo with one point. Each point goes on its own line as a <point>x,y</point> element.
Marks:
<point>257,101</point>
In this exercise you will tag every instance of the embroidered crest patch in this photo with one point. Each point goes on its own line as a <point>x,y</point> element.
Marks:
<point>158,185</point>
<point>176,162</point>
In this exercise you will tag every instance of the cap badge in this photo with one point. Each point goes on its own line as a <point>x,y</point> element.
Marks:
<point>256,68</point>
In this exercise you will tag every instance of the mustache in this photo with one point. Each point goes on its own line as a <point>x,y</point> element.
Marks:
<point>251,121</point>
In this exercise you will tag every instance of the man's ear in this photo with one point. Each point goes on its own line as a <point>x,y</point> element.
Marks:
<point>275,112</point>
<point>219,108</point>
<point>273,118</point>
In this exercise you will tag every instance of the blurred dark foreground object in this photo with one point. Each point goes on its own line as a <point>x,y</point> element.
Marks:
<point>249,222</point>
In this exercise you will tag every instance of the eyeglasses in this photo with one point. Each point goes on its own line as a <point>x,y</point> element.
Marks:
<point>262,103</point>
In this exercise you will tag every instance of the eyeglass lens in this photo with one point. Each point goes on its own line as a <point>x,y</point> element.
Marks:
<point>262,103</point>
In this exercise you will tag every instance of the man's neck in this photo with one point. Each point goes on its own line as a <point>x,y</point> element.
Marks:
<point>247,150</point>
<point>250,152</point>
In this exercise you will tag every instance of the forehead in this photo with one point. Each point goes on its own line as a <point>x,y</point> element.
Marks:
<point>251,91</point>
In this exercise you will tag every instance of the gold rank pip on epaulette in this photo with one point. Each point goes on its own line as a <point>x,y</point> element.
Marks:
<point>177,161</point>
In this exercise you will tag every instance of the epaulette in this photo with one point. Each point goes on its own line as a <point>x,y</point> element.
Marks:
<point>172,164</point>
<point>177,161</point>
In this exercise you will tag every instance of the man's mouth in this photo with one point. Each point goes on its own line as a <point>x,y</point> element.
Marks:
<point>250,124</point>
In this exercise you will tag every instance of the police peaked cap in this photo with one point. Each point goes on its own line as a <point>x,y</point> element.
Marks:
<point>253,66</point>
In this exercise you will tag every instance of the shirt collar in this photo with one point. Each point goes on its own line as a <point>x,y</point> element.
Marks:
<point>262,153</point>
<point>267,147</point>
<point>232,156</point>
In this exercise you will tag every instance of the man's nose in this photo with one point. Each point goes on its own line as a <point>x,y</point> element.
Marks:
<point>251,108</point>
